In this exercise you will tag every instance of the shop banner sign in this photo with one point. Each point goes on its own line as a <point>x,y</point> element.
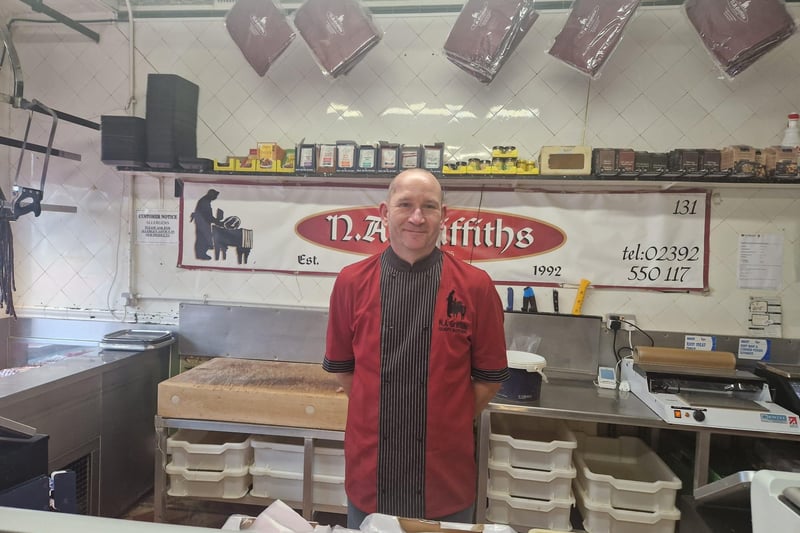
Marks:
<point>649,240</point>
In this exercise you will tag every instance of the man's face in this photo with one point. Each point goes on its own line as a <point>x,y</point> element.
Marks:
<point>413,214</point>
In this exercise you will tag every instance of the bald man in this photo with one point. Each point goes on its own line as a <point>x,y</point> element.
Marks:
<point>416,339</point>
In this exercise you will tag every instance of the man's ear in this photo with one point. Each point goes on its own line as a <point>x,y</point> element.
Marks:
<point>384,211</point>
<point>444,215</point>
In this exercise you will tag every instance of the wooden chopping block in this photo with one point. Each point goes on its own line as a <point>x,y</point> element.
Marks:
<point>257,392</point>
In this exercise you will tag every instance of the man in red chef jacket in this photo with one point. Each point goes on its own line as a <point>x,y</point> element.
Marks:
<point>416,340</point>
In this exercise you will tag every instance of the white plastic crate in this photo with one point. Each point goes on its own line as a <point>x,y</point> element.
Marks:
<point>232,483</point>
<point>288,486</point>
<point>624,473</point>
<point>524,483</point>
<point>287,456</point>
<point>523,513</point>
<point>524,442</point>
<point>209,450</point>
<point>599,518</point>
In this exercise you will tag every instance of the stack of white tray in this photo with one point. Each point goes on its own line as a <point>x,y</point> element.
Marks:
<point>623,486</point>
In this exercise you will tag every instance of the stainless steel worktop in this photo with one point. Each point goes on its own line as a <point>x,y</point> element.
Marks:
<point>56,365</point>
<point>87,399</point>
<point>582,400</point>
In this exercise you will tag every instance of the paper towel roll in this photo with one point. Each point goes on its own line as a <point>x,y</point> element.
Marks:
<point>678,357</point>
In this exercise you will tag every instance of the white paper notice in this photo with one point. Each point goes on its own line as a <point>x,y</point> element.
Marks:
<point>760,261</point>
<point>156,227</point>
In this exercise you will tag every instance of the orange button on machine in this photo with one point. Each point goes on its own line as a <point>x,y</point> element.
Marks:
<point>676,413</point>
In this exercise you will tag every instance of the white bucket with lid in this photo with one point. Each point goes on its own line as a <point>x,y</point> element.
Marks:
<point>527,372</point>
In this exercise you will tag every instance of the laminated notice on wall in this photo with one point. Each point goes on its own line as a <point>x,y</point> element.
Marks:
<point>156,227</point>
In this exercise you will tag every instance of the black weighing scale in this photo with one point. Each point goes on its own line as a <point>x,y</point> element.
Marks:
<point>784,380</point>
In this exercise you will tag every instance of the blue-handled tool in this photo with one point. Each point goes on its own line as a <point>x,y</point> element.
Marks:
<point>510,299</point>
<point>528,300</point>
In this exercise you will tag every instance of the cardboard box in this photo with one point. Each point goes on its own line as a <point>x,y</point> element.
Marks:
<point>410,157</point>
<point>228,165</point>
<point>565,160</point>
<point>683,160</point>
<point>505,151</point>
<point>432,157</point>
<point>388,157</point>
<point>455,168</point>
<point>659,162</point>
<point>781,161</point>
<point>710,160</point>
<point>346,156</point>
<point>246,164</point>
<point>527,167</point>
<point>269,153</point>
<point>731,155</point>
<point>306,158</point>
<point>604,161</point>
<point>626,160</point>
<point>288,162</point>
<point>367,158</point>
<point>642,162</point>
<point>326,158</point>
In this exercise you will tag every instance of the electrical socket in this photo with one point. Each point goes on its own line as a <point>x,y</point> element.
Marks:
<point>626,322</point>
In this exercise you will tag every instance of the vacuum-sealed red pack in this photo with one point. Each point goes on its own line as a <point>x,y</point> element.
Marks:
<point>260,31</point>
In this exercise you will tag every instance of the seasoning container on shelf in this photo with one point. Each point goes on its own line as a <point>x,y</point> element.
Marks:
<point>791,135</point>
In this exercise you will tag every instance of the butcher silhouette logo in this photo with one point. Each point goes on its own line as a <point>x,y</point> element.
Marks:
<point>455,306</point>
<point>217,233</point>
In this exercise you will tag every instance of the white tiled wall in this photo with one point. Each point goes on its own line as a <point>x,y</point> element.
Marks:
<point>660,90</point>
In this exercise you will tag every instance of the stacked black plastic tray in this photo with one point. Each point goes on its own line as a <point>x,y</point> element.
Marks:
<point>123,141</point>
<point>171,120</point>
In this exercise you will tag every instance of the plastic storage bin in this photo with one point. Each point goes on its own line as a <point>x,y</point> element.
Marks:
<point>598,518</point>
<point>624,473</point>
<point>288,486</point>
<point>232,483</point>
<point>523,513</point>
<point>209,450</point>
<point>523,483</point>
<point>281,455</point>
<point>526,377</point>
<point>523,442</point>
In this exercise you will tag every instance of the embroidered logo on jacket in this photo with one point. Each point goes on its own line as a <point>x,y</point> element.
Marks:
<point>456,310</point>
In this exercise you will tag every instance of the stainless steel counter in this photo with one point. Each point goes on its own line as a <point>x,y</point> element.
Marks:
<point>581,400</point>
<point>88,401</point>
<point>58,365</point>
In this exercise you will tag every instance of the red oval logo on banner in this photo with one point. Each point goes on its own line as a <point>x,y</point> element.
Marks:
<point>468,234</point>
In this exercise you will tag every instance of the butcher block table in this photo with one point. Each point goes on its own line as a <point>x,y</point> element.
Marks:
<point>255,397</point>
